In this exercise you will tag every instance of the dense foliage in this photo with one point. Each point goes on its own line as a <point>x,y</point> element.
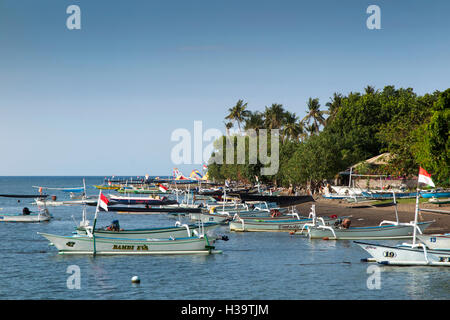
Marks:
<point>413,129</point>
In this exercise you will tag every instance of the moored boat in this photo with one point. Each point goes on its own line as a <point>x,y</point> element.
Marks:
<point>177,231</point>
<point>114,246</point>
<point>436,241</point>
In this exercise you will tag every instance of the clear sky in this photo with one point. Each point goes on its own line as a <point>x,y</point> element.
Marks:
<point>105,99</point>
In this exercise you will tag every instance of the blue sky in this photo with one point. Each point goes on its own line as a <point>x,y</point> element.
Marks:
<point>105,99</point>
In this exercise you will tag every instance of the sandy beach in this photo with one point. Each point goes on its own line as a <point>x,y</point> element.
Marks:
<point>366,215</point>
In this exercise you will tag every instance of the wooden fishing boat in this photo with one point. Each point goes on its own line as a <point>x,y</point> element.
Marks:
<point>24,196</point>
<point>387,195</point>
<point>436,241</point>
<point>385,230</point>
<point>282,201</point>
<point>155,210</point>
<point>407,254</point>
<point>108,187</point>
<point>381,232</point>
<point>177,231</point>
<point>439,201</point>
<point>41,216</point>
<point>435,194</point>
<point>93,244</point>
<point>141,200</point>
<point>290,224</point>
<point>404,255</point>
<point>97,245</point>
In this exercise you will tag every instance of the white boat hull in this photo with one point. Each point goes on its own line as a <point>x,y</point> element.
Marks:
<point>436,241</point>
<point>293,225</point>
<point>111,246</point>
<point>154,233</point>
<point>406,256</point>
<point>383,232</point>
<point>24,218</point>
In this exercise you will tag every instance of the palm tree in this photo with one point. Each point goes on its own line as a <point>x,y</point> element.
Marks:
<point>228,126</point>
<point>311,128</point>
<point>238,113</point>
<point>333,106</point>
<point>254,121</point>
<point>292,128</point>
<point>315,114</point>
<point>369,90</point>
<point>274,116</point>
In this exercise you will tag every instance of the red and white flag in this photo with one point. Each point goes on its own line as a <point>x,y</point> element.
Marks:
<point>425,177</point>
<point>162,188</point>
<point>103,201</point>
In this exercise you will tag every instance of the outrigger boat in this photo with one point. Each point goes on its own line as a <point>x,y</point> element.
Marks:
<point>27,216</point>
<point>385,230</point>
<point>96,245</point>
<point>141,200</point>
<point>436,241</point>
<point>93,244</point>
<point>275,224</point>
<point>409,254</point>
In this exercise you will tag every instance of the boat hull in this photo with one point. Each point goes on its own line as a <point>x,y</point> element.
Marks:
<point>111,246</point>
<point>154,233</point>
<point>383,232</point>
<point>292,225</point>
<point>405,256</point>
<point>24,218</point>
<point>436,241</point>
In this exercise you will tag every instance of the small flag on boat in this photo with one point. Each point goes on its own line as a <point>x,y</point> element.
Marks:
<point>103,201</point>
<point>257,180</point>
<point>425,177</point>
<point>227,184</point>
<point>205,167</point>
<point>162,188</point>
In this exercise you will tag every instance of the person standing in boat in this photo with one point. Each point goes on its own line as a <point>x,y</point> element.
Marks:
<point>26,211</point>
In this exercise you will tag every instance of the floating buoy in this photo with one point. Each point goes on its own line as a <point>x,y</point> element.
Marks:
<point>292,232</point>
<point>325,238</point>
<point>135,279</point>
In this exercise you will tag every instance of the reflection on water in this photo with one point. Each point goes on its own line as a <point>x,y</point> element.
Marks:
<point>252,266</point>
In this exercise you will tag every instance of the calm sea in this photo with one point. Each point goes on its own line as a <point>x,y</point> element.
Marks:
<point>252,265</point>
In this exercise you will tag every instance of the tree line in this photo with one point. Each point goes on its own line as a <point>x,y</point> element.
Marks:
<point>316,146</point>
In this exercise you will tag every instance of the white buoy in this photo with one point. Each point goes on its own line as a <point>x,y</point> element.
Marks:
<point>135,279</point>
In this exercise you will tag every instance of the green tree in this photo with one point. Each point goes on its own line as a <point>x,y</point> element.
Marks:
<point>314,114</point>
<point>238,113</point>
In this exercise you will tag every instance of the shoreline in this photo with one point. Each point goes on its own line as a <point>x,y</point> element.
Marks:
<point>366,215</point>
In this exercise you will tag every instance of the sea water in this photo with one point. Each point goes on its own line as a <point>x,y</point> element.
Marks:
<point>252,265</point>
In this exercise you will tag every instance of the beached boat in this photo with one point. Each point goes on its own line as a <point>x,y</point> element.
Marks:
<point>439,201</point>
<point>435,194</point>
<point>387,195</point>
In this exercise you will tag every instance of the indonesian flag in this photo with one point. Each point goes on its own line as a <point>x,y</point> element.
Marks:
<point>162,188</point>
<point>103,201</point>
<point>425,177</point>
<point>205,167</point>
